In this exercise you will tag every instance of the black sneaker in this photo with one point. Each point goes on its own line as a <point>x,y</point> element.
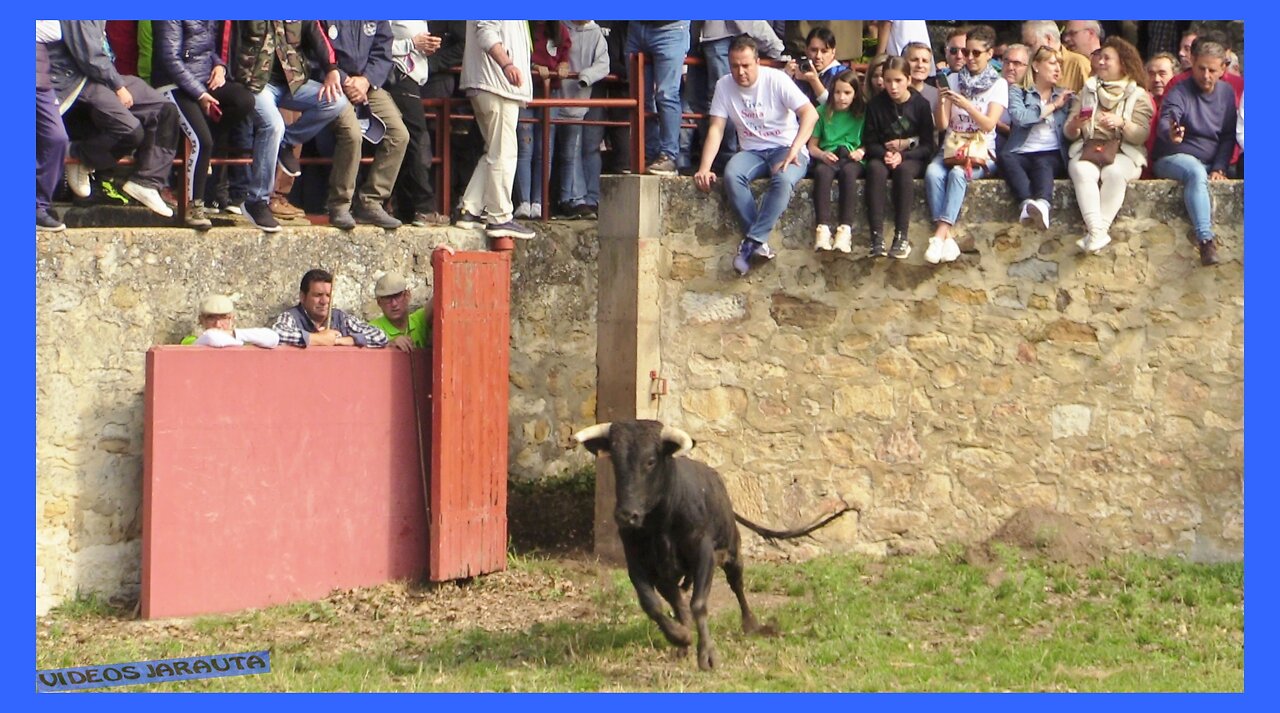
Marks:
<point>586,211</point>
<point>877,246</point>
<point>259,213</point>
<point>288,162</point>
<point>900,248</point>
<point>468,221</point>
<point>46,223</point>
<point>664,166</point>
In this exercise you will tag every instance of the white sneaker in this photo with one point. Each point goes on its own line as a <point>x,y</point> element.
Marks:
<point>1085,243</point>
<point>523,211</point>
<point>1044,212</point>
<point>78,179</point>
<point>149,197</point>
<point>535,211</point>
<point>933,254</point>
<point>844,238</point>
<point>822,238</point>
<point>1099,243</point>
<point>950,250</point>
<point>1023,217</point>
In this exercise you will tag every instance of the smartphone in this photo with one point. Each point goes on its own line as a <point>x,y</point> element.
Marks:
<point>215,112</point>
<point>1086,112</point>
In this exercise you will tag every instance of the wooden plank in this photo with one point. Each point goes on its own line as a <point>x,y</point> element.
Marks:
<point>468,504</point>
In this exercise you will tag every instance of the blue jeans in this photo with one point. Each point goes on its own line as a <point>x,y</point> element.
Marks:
<point>664,47</point>
<point>716,54</point>
<point>746,166</point>
<point>1194,177</point>
<point>269,129</point>
<point>529,156</point>
<point>944,188</point>
<point>1030,175</point>
<point>579,154</point>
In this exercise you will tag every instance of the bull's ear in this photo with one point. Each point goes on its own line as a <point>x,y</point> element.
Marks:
<point>594,438</point>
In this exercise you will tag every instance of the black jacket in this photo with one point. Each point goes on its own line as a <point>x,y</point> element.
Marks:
<point>80,57</point>
<point>887,121</point>
<point>186,51</point>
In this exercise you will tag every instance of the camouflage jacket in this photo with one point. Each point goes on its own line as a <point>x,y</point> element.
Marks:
<point>261,43</point>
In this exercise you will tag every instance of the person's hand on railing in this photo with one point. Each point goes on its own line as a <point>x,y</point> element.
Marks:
<point>562,70</point>
<point>543,72</point>
<point>217,78</point>
<point>332,88</point>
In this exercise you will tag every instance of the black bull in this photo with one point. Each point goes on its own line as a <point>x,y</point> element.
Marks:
<point>676,523</point>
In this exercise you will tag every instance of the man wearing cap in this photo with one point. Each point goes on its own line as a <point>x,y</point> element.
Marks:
<point>363,51</point>
<point>406,330</point>
<point>313,322</point>
<point>218,327</point>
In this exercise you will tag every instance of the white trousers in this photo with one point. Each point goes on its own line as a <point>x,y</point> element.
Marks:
<point>1099,205</point>
<point>488,193</point>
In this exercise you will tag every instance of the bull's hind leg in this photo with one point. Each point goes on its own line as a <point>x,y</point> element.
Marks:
<point>733,572</point>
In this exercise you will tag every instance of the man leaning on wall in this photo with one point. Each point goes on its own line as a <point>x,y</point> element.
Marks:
<point>314,322</point>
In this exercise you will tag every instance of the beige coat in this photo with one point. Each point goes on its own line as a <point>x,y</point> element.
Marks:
<point>1135,107</point>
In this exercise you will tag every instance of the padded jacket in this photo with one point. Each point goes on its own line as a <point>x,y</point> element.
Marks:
<point>186,51</point>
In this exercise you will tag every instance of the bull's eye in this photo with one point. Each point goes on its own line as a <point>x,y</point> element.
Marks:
<point>650,463</point>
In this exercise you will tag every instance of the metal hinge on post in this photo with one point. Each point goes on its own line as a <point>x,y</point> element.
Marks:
<point>657,386</point>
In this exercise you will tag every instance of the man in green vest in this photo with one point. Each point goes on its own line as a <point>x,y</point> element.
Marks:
<point>404,329</point>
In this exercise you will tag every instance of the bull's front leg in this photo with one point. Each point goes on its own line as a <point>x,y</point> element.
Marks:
<point>704,567</point>
<point>677,633</point>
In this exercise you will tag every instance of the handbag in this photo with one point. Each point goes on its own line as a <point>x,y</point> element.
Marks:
<point>1100,151</point>
<point>965,148</point>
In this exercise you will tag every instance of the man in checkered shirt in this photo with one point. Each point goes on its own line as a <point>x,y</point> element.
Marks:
<point>314,323</point>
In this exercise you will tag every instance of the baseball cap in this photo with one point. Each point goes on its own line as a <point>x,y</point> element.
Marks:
<point>391,283</point>
<point>371,126</point>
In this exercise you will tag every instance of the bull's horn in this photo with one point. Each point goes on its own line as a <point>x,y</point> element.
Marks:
<point>678,437</point>
<point>600,430</point>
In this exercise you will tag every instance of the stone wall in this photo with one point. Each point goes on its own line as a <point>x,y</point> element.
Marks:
<point>942,399</point>
<point>104,296</point>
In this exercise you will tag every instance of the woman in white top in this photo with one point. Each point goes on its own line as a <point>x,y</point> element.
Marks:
<point>971,104</point>
<point>1035,152</point>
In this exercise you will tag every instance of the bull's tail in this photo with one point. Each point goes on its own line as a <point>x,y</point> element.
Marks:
<point>822,521</point>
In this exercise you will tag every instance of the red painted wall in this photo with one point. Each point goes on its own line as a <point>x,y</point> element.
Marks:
<point>279,475</point>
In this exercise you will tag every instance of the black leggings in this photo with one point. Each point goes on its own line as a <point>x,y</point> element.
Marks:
<point>847,171</point>
<point>904,192</point>
<point>209,138</point>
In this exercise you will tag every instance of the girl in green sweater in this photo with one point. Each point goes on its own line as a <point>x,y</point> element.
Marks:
<point>836,151</point>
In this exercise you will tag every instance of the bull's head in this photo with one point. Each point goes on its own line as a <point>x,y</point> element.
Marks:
<point>641,453</point>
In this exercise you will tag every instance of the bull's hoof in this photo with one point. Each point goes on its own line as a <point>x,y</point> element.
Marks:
<point>707,657</point>
<point>679,636</point>
<point>681,651</point>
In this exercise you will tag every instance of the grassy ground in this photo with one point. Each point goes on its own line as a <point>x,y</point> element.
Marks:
<point>565,623</point>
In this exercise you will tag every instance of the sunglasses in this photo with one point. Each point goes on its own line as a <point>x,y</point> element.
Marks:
<point>955,50</point>
<point>973,53</point>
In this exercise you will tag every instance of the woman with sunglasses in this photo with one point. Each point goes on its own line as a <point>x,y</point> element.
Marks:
<point>971,103</point>
<point>898,138</point>
<point>1112,114</point>
<point>1035,152</point>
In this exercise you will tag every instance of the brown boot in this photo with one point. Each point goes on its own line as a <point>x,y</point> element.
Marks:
<point>1209,252</point>
<point>282,208</point>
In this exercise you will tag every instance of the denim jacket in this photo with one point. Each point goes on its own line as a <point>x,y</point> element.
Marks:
<point>1024,113</point>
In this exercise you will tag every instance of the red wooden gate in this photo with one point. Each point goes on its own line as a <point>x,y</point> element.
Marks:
<point>467,506</point>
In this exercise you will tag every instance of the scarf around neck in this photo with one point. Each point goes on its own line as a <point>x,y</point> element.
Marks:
<point>971,85</point>
<point>1110,94</point>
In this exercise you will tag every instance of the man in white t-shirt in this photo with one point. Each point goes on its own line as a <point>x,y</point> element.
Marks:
<point>773,120</point>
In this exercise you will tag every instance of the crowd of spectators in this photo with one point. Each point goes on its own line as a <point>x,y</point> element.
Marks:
<point>1027,102</point>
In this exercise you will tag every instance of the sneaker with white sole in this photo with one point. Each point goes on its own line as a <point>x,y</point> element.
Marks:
<point>766,252</point>
<point>1023,217</point>
<point>149,197</point>
<point>844,238</point>
<point>1086,243</point>
<point>78,176</point>
<point>822,238</point>
<point>950,250</point>
<point>742,260</point>
<point>524,210</point>
<point>933,254</point>
<point>259,213</point>
<point>535,211</point>
<point>900,249</point>
<point>509,229</point>
<point>1035,213</point>
<point>1044,212</point>
<point>468,221</point>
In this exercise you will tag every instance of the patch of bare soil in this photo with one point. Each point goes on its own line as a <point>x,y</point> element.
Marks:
<point>1038,532</point>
